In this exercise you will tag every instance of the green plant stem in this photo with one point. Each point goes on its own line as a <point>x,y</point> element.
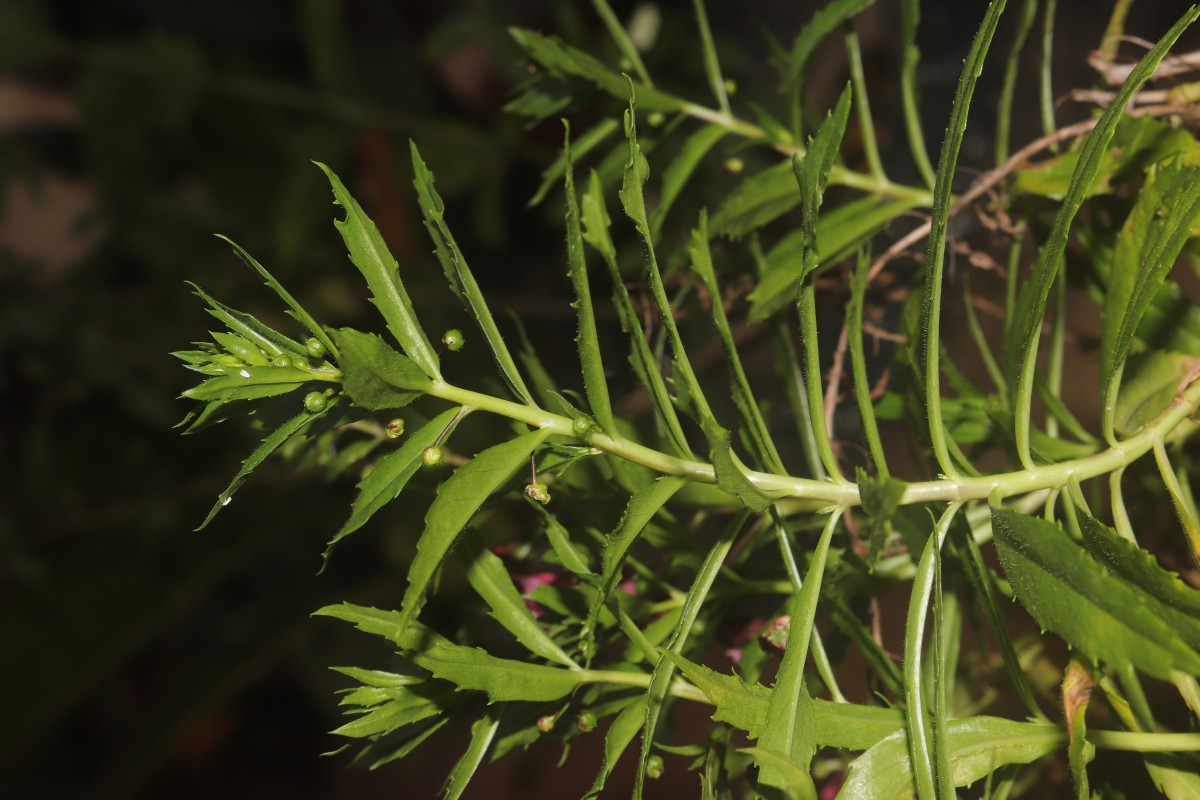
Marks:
<point>1001,485</point>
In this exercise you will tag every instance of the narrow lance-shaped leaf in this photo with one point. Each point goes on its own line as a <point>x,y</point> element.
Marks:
<point>664,669</point>
<point>1034,295</point>
<point>812,172</point>
<point>553,174</point>
<point>370,254</point>
<point>712,65</point>
<point>459,274</point>
<point>596,233</point>
<point>1163,242</point>
<point>858,368</point>
<point>1025,19</point>
<point>824,22</point>
<point>621,37</point>
<point>620,733</point>
<point>489,578</point>
<point>910,20</point>
<point>269,340</point>
<point>1099,615</point>
<point>563,61</point>
<point>789,727</point>
<point>390,474</point>
<point>763,446</point>
<point>587,342</point>
<point>293,427</point>
<point>456,502</point>
<point>936,254</point>
<point>928,750</point>
<point>483,732</point>
<point>641,509</point>
<point>677,173</point>
<point>637,170</point>
<point>295,310</point>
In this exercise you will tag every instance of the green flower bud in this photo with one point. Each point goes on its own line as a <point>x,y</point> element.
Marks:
<point>655,118</point>
<point>734,165</point>
<point>454,340</point>
<point>432,456</point>
<point>315,348</point>
<point>538,492</point>
<point>582,426</point>
<point>282,360</point>
<point>315,401</point>
<point>546,724</point>
<point>585,720</point>
<point>730,86</point>
<point>395,428</point>
<point>654,767</point>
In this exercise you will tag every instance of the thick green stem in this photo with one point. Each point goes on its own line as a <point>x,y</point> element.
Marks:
<point>1006,484</point>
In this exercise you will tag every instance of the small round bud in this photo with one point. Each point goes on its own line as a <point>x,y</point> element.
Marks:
<point>432,456</point>
<point>730,86</point>
<point>546,724</point>
<point>655,118</point>
<point>315,401</point>
<point>454,340</point>
<point>538,492</point>
<point>585,720</point>
<point>584,648</point>
<point>582,426</point>
<point>282,360</point>
<point>654,767</point>
<point>734,165</point>
<point>314,348</point>
<point>395,428</point>
<point>299,362</point>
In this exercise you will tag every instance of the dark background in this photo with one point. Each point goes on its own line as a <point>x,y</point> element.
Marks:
<point>139,659</point>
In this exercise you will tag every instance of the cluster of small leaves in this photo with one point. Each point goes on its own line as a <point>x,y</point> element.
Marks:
<point>723,555</point>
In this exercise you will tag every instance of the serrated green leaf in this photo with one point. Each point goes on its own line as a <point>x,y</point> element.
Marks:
<point>1173,600</point>
<point>978,746</point>
<point>417,703</point>
<point>637,170</point>
<point>1176,776</point>
<point>730,472</point>
<point>483,732</point>
<point>845,726</point>
<point>374,375</point>
<point>1034,295</point>
<point>789,727</point>
<point>295,310</point>
<point>1160,242</point>
<point>458,274</point>
<point>677,173</point>
<point>266,338</point>
<point>370,254</point>
<point>561,60</point>
<point>293,427</point>
<point>1067,592</point>
<point>595,384</point>
<point>811,173</point>
<point>389,475</point>
<point>762,444</point>
<point>596,233</point>
<point>489,578</point>
<point>249,383</point>
<point>824,22</point>
<point>456,502</point>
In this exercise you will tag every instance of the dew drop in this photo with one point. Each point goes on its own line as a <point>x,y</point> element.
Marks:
<point>244,373</point>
